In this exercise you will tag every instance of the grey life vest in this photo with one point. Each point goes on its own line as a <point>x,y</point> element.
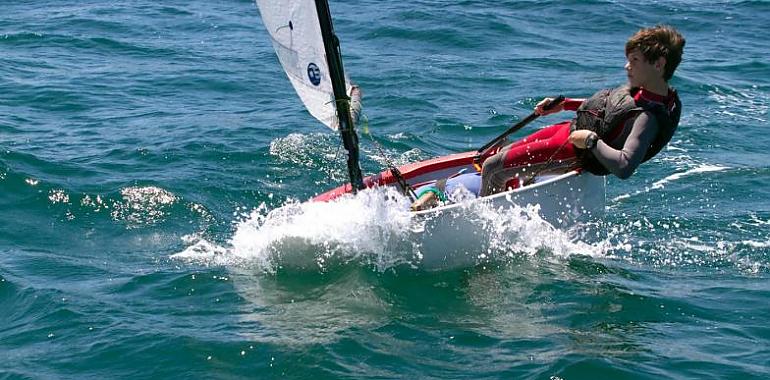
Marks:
<point>607,110</point>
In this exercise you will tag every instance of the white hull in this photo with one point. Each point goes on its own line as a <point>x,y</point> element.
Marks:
<point>457,235</point>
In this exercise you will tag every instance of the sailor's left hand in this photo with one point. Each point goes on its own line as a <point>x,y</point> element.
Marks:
<point>540,107</point>
<point>578,137</point>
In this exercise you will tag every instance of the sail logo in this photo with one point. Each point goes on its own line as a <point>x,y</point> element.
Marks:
<point>314,74</point>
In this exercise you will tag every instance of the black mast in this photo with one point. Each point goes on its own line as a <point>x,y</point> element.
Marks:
<point>337,76</point>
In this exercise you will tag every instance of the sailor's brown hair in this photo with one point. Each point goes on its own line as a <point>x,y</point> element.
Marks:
<point>659,41</point>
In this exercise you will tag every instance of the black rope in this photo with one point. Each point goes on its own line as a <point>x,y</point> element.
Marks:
<point>547,164</point>
<point>330,172</point>
<point>405,187</point>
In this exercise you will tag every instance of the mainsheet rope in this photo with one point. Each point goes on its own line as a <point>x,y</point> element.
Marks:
<point>405,187</point>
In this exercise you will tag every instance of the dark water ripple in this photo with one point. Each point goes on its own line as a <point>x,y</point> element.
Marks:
<point>133,132</point>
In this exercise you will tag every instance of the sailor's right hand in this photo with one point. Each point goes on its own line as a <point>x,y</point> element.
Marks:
<point>427,200</point>
<point>540,107</point>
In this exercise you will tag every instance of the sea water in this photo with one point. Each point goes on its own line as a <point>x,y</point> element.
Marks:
<point>154,161</point>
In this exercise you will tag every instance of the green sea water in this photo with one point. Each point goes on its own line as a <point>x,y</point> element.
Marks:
<point>143,146</point>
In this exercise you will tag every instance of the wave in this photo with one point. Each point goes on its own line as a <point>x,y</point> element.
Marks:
<point>660,184</point>
<point>375,229</point>
<point>95,45</point>
<point>134,206</point>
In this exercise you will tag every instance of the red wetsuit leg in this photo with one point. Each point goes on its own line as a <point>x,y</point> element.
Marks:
<point>542,134</point>
<point>548,143</point>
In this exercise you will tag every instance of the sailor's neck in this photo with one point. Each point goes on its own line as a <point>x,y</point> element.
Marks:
<point>658,88</point>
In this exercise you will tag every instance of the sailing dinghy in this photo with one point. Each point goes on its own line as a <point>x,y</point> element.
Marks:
<point>308,50</point>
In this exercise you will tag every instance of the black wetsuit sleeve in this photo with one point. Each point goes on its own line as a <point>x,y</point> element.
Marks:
<point>624,162</point>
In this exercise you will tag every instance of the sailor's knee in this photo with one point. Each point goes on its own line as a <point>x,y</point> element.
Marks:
<point>490,164</point>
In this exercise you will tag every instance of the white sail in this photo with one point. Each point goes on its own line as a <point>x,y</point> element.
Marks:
<point>296,33</point>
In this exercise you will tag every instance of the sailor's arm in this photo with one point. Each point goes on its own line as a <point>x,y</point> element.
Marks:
<point>355,102</point>
<point>624,162</point>
<point>568,104</point>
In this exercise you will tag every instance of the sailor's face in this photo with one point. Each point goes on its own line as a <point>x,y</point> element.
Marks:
<point>640,72</point>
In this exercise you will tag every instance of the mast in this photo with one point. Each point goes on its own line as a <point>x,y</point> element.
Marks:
<point>337,76</point>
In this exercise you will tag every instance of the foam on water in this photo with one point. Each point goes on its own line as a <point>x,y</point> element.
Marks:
<point>143,205</point>
<point>736,104</point>
<point>662,243</point>
<point>374,228</point>
<point>660,184</point>
<point>700,169</point>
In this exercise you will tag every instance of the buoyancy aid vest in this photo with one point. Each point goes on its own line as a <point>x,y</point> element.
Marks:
<point>606,112</point>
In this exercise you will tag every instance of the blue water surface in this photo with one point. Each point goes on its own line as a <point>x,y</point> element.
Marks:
<point>143,144</point>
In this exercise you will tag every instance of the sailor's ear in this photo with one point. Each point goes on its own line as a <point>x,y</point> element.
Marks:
<point>660,63</point>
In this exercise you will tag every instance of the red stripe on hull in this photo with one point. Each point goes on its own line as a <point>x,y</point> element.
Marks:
<point>408,171</point>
